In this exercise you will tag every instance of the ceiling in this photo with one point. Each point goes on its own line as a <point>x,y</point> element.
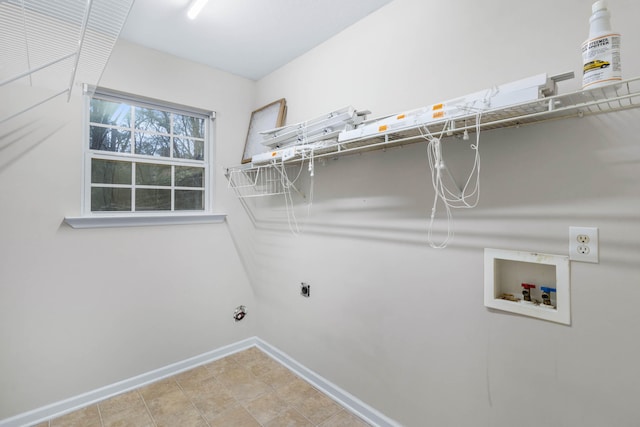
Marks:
<point>249,38</point>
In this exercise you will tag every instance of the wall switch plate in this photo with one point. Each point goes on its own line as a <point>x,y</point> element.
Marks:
<point>583,244</point>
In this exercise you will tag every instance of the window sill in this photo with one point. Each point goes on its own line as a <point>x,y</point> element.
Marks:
<point>107,221</point>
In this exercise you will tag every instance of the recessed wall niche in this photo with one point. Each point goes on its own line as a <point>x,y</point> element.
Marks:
<point>528,283</point>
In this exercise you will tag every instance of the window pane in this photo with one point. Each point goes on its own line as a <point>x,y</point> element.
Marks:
<point>153,200</point>
<point>152,145</point>
<point>153,120</point>
<point>109,139</point>
<point>189,200</point>
<point>110,113</point>
<point>110,172</point>
<point>151,174</point>
<point>188,149</point>
<point>189,126</point>
<point>189,177</point>
<point>110,199</point>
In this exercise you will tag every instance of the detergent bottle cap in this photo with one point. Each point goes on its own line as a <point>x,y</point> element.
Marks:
<point>599,5</point>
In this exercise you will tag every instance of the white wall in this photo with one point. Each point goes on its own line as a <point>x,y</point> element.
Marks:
<point>402,326</point>
<point>398,324</point>
<point>82,309</point>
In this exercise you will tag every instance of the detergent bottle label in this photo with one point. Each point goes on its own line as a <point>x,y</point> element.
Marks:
<point>601,60</point>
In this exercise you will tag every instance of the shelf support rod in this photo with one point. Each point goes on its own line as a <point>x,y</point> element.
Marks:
<point>26,41</point>
<point>31,71</point>
<point>32,106</point>
<point>83,30</point>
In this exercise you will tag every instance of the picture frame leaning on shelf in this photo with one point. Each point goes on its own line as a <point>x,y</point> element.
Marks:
<point>265,118</point>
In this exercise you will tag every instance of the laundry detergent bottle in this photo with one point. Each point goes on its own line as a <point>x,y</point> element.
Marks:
<point>601,52</point>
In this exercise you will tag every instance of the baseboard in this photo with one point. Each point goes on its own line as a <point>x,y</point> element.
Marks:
<point>350,402</point>
<point>69,405</point>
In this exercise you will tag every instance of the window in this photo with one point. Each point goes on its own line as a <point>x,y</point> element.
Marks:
<point>145,156</point>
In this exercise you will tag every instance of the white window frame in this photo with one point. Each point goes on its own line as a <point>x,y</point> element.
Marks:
<point>92,219</point>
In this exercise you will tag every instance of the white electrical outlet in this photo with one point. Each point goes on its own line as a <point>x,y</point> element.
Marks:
<point>583,244</point>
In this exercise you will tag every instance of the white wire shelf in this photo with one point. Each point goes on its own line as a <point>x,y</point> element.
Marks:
<point>617,96</point>
<point>55,44</point>
<point>249,181</point>
<point>255,181</point>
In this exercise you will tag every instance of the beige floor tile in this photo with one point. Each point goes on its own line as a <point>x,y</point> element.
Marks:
<point>157,389</point>
<point>121,402</point>
<point>169,403</point>
<point>266,407</point>
<point>248,389</point>
<point>278,377</point>
<point>248,356</point>
<point>236,417</point>
<point>318,408</point>
<point>193,376</point>
<point>344,419</point>
<point>295,392</point>
<point>257,362</point>
<point>131,417</point>
<point>262,366</point>
<point>214,402</point>
<point>86,417</point>
<point>219,366</point>
<point>189,417</point>
<point>290,418</point>
<point>205,386</point>
<point>234,375</point>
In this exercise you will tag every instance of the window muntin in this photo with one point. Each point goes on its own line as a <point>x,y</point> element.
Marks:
<point>144,158</point>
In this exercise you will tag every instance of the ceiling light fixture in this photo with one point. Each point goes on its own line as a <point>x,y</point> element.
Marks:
<point>195,8</point>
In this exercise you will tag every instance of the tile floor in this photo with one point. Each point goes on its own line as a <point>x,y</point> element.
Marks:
<point>245,389</point>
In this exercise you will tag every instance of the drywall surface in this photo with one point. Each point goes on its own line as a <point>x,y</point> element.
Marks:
<point>82,309</point>
<point>402,326</point>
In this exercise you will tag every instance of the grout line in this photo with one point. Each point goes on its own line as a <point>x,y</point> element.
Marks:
<point>153,420</point>
<point>295,408</point>
<point>290,406</point>
<point>193,403</point>
<point>271,390</point>
<point>100,415</point>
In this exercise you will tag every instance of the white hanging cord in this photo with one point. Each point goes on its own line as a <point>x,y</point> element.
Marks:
<point>465,198</point>
<point>288,184</point>
<point>311,181</point>
<point>437,165</point>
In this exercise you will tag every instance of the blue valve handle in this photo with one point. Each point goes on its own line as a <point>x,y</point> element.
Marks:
<point>547,289</point>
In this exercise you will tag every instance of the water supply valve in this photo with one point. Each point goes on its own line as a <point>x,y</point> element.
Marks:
<point>526,291</point>
<point>546,294</point>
